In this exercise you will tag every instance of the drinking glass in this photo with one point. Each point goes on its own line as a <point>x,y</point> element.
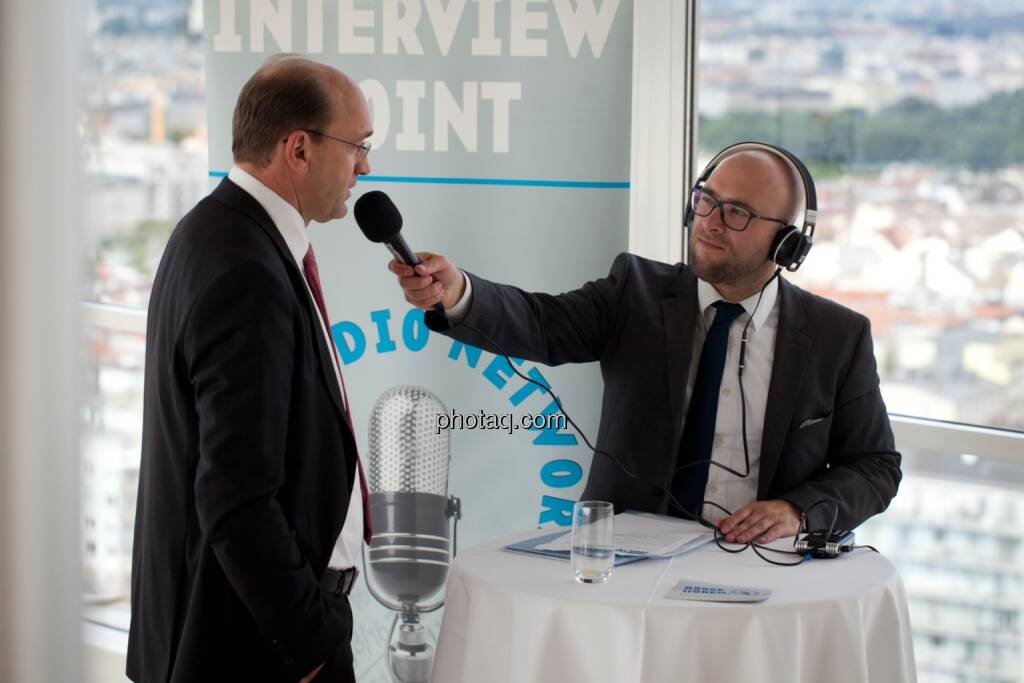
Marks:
<point>593,541</point>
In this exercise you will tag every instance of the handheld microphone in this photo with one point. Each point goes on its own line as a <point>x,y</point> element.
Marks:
<point>381,222</point>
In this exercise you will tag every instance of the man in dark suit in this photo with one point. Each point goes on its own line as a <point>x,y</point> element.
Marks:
<point>668,339</point>
<point>250,508</point>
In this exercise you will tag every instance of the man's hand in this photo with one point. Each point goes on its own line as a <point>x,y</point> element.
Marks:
<point>312,675</point>
<point>434,279</point>
<point>761,522</point>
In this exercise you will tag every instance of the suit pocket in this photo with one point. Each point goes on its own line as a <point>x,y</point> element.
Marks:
<point>811,433</point>
<point>811,422</point>
<point>339,665</point>
<point>343,610</point>
<point>805,453</point>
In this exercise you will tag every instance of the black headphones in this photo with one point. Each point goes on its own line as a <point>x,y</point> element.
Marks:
<point>792,244</point>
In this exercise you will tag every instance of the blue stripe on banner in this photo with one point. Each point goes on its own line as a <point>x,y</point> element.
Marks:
<point>480,181</point>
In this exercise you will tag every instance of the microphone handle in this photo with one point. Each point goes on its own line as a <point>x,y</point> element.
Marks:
<point>401,251</point>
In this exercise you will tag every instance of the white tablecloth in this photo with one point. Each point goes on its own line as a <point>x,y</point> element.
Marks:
<point>513,618</point>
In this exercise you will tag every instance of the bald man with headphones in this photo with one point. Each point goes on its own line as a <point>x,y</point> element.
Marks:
<point>730,393</point>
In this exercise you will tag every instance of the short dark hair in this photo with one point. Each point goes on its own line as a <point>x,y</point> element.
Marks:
<point>287,93</point>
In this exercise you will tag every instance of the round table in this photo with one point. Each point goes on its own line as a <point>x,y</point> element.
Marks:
<point>514,618</point>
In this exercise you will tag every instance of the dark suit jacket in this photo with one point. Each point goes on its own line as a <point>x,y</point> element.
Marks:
<point>826,432</point>
<point>247,463</point>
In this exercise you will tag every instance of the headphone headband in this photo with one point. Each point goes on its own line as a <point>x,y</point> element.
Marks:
<point>792,244</point>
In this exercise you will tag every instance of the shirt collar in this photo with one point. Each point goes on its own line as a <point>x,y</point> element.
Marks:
<point>707,295</point>
<point>286,218</point>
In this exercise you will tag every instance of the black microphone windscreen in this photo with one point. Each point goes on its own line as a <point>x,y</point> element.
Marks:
<point>377,216</point>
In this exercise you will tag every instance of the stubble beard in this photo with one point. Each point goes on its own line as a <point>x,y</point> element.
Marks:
<point>729,272</point>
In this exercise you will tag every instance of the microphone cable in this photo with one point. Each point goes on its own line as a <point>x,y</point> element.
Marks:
<point>743,398</point>
<point>757,548</point>
<point>718,535</point>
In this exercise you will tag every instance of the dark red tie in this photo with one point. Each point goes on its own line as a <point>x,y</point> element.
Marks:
<point>313,279</point>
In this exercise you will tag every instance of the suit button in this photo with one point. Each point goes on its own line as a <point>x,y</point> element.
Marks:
<point>713,489</point>
<point>726,392</point>
<point>288,660</point>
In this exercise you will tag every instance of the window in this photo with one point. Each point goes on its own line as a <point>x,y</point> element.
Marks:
<point>144,140</point>
<point>911,118</point>
<point>954,534</point>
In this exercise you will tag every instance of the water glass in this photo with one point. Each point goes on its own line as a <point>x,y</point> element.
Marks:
<point>593,541</point>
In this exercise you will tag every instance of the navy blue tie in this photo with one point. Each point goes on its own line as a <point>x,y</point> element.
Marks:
<point>699,431</point>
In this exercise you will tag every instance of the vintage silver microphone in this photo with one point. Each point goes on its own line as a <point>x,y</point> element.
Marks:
<point>406,563</point>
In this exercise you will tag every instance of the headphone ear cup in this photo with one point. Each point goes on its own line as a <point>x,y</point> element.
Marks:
<point>785,247</point>
<point>802,249</point>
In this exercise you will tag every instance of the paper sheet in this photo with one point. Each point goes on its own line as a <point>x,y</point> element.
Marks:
<point>643,533</point>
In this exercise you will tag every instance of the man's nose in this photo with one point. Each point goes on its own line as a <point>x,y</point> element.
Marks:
<point>713,222</point>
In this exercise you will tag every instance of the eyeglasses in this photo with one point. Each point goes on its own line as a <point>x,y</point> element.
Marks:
<point>363,149</point>
<point>734,216</point>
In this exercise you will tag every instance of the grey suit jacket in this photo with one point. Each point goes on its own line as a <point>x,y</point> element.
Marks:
<point>826,431</point>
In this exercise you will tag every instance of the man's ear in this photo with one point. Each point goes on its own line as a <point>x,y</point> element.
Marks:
<point>296,151</point>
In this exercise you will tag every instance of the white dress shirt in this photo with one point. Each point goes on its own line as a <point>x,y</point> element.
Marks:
<point>725,489</point>
<point>288,221</point>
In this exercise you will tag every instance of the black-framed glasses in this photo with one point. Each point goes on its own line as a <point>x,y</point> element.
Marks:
<point>363,148</point>
<point>734,216</point>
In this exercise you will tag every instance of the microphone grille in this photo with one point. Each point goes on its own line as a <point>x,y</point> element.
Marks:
<point>377,216</point>
<point>407,454</point>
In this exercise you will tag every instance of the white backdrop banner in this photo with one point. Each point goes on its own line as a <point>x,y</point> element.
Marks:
<point>501,131</point>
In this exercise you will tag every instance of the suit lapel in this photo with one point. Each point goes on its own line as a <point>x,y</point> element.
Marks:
<point>788,366</point>
<point>324,353</point>
<point>234,196</point>
<point>679,317</point>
